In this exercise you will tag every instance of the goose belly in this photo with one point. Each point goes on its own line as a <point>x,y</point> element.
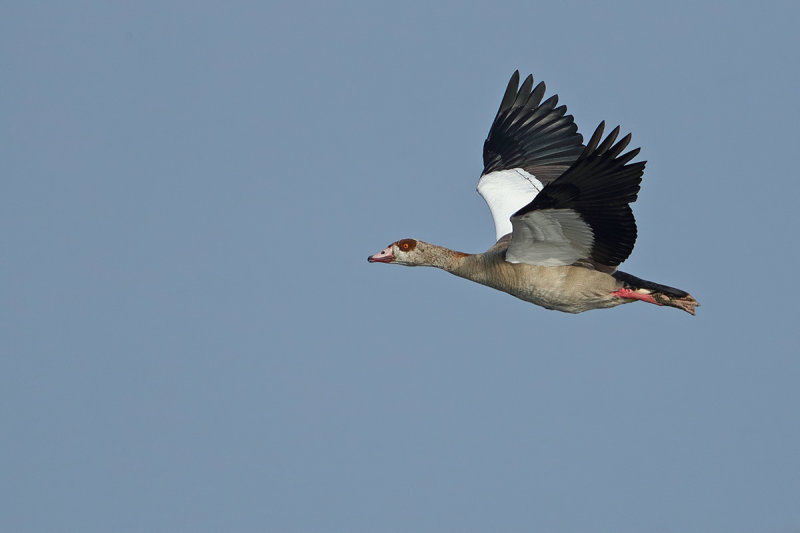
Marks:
<point>570,289</point>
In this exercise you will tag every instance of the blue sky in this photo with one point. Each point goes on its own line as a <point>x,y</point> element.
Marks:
<point>192,339</point>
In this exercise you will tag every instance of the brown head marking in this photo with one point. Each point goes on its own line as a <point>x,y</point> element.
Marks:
<point>406,245</point>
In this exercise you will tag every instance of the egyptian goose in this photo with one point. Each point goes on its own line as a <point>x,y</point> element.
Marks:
<point>561,213</point>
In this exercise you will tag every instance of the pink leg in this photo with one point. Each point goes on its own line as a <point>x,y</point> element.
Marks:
<point>627,293</point>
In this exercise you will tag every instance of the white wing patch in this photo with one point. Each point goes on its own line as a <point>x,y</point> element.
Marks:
<point>550,237</point>
<point>506,192</point>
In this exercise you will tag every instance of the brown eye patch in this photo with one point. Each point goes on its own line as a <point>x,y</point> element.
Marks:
<point>407,245</point>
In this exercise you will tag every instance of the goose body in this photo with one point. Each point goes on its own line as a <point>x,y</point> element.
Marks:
<point>561,211</point>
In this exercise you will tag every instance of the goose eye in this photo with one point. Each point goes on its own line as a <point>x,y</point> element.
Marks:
<point>404,246</point>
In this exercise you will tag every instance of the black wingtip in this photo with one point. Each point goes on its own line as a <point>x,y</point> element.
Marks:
<point>511,92</point>
<point>528,80</point>
<point>524,92</point>
<point>620,146</point>
<point>609,140</point>
<point>513,83</point>
<point>595,139</point>
<point>624,158</point>
<point>537,94</point>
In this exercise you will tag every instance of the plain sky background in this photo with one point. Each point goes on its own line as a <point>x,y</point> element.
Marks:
<point>192,339</point>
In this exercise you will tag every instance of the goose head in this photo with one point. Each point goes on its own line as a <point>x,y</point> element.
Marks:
<point>409,252</point>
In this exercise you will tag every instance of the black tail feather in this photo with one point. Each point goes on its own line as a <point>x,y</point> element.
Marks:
<point>638,283</point>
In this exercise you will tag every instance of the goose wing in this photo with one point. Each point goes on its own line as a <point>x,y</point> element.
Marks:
<point>530,144</point>
<point>584,214</point>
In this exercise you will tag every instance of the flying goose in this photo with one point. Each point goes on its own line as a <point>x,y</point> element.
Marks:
<point>561,212</point>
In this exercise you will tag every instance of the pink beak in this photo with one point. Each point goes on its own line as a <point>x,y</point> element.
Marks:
<point>384,256</point>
